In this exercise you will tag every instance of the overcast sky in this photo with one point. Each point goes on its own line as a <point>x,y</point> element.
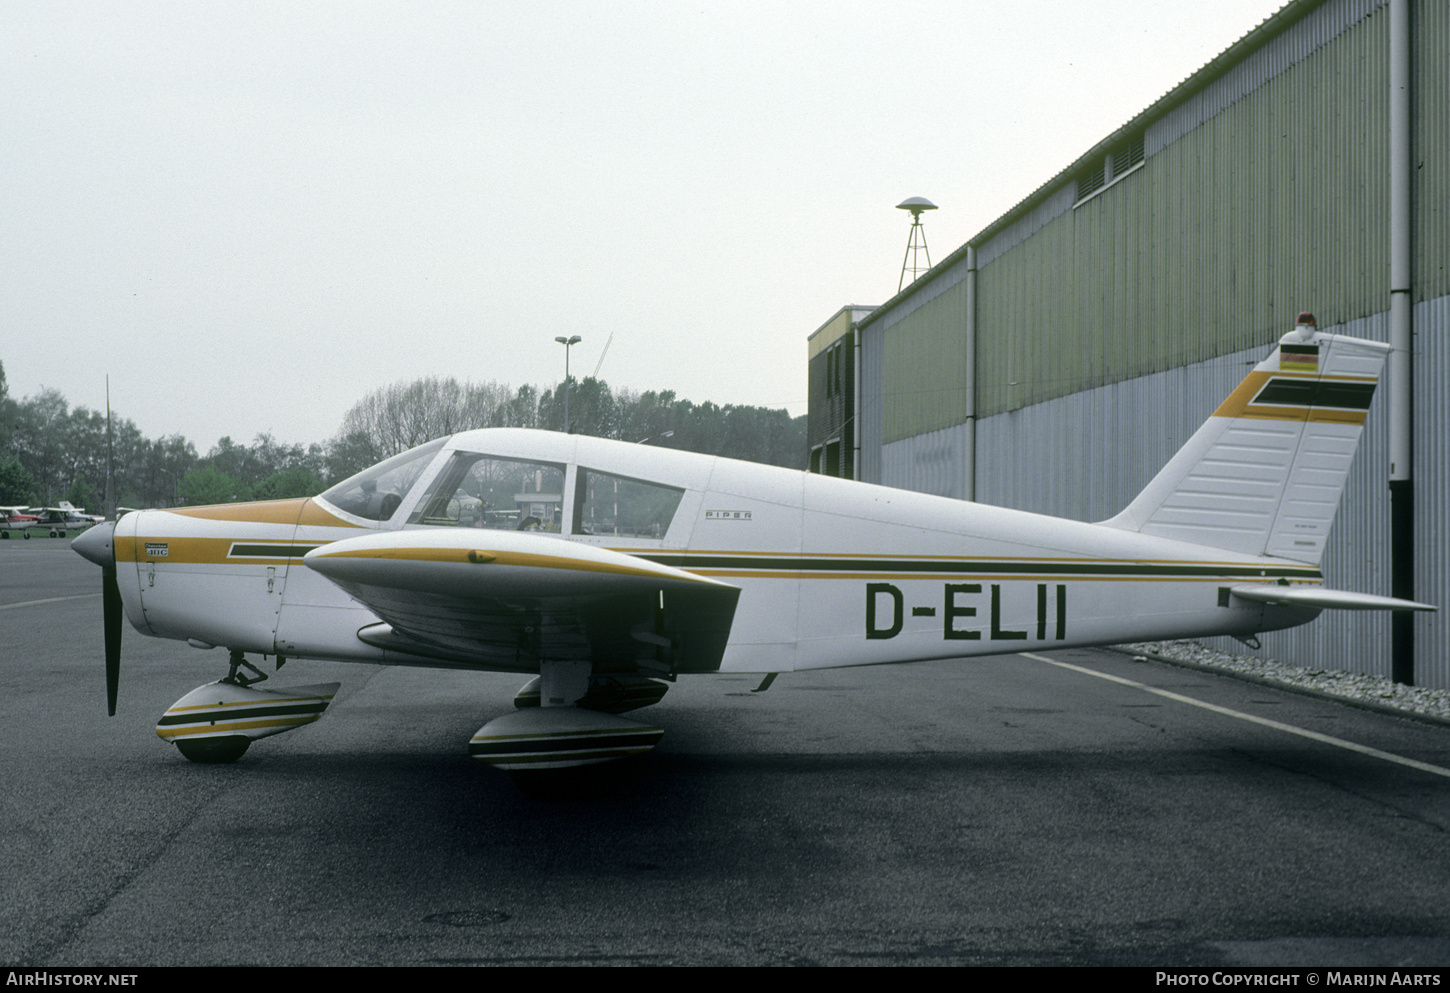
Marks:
<point>251,214</point>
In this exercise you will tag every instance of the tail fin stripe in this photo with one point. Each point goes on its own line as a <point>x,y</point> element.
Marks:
<point>1264,474</point>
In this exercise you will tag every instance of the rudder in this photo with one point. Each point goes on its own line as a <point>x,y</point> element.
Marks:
<point>1264,474</point>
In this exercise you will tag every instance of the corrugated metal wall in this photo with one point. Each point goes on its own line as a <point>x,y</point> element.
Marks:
<point>1107,330</point>
<point>1430,110</point>
<point>930,463</point>
<point>1316,28</point>
<point>1086,456</point>
<point>869,413</point>
<point>926,366</point>
<point>1432,489</point>
<point>1273,205</point>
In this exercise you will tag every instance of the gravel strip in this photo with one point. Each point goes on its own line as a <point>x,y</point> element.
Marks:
<point>1371,691</point>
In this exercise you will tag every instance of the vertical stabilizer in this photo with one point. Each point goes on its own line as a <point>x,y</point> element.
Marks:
<point>1264,474</point>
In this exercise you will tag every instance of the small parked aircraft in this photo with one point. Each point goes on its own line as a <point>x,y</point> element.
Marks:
<point>71,508</point>
<point>607,570</point>
<point>18,520</point>
<point>60,521</point>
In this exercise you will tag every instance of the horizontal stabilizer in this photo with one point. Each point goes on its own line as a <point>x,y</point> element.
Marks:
<point>1317,596</point>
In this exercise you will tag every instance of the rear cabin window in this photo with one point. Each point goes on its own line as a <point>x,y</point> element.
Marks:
<point>617,506</point>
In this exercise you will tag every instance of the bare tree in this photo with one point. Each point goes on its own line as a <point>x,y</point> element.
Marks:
<point>401,416</point>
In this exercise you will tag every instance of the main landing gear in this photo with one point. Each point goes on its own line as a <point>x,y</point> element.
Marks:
<point>567,720</point>
<point>217,722</point>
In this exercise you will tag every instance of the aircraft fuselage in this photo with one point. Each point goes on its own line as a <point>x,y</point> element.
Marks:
<point>831,572</point>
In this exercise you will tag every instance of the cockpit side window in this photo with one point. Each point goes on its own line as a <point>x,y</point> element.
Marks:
<point>618,506</point>
<point>375,494</point>
<point>483,491</point>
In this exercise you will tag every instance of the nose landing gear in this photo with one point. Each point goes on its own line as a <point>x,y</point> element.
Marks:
<point>216,723</point>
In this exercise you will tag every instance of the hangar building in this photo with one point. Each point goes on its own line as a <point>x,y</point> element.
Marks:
<point>1058,359</point>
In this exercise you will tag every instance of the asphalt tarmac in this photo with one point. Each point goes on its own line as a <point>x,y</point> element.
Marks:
<point>1001,811</point>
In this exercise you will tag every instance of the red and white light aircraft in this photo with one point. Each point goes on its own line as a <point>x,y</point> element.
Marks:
<point>607,570</point>
<point>16,519</point>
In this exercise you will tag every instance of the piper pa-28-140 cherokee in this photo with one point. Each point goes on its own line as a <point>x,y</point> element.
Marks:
<point>606,570</point>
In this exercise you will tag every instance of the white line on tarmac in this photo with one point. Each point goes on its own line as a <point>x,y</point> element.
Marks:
<point>54,599</point>
<point>1291,729</point>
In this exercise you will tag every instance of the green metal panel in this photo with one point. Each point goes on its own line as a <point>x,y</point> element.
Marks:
<point>1430,114</point>
<point>1275,205</point>
<point>831,332</point>
<point>926,367</point>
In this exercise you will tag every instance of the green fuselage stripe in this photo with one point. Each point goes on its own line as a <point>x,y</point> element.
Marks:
<point>931,567</point>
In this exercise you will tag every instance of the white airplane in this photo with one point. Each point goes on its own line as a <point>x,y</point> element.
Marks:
<point>60,521</point>
<point>16,519</point>
<point>607,570</point>
<point>80,512</point>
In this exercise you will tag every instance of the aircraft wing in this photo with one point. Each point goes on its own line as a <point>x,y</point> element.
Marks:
<point>507,599</point>
<point>1317,596</point>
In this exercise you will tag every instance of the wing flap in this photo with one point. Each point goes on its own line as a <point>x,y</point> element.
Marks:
<point>510,599</point>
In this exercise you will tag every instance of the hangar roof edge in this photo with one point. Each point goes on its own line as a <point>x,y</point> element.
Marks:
<point>1258,36</point>
<point>850,307</point>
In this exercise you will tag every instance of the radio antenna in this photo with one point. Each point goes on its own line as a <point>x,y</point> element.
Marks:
<point>916,242</point>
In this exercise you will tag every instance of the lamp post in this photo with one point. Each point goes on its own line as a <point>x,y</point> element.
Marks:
<point>566,342</point>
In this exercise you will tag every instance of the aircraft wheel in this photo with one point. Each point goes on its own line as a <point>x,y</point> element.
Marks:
<point>214,751</point>
<point>27,535</point>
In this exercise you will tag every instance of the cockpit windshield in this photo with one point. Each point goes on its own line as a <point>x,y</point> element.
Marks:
<point>375,494</point>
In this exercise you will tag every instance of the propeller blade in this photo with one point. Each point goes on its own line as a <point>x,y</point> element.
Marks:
<point>111,610</point>
<point>98,545</point>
